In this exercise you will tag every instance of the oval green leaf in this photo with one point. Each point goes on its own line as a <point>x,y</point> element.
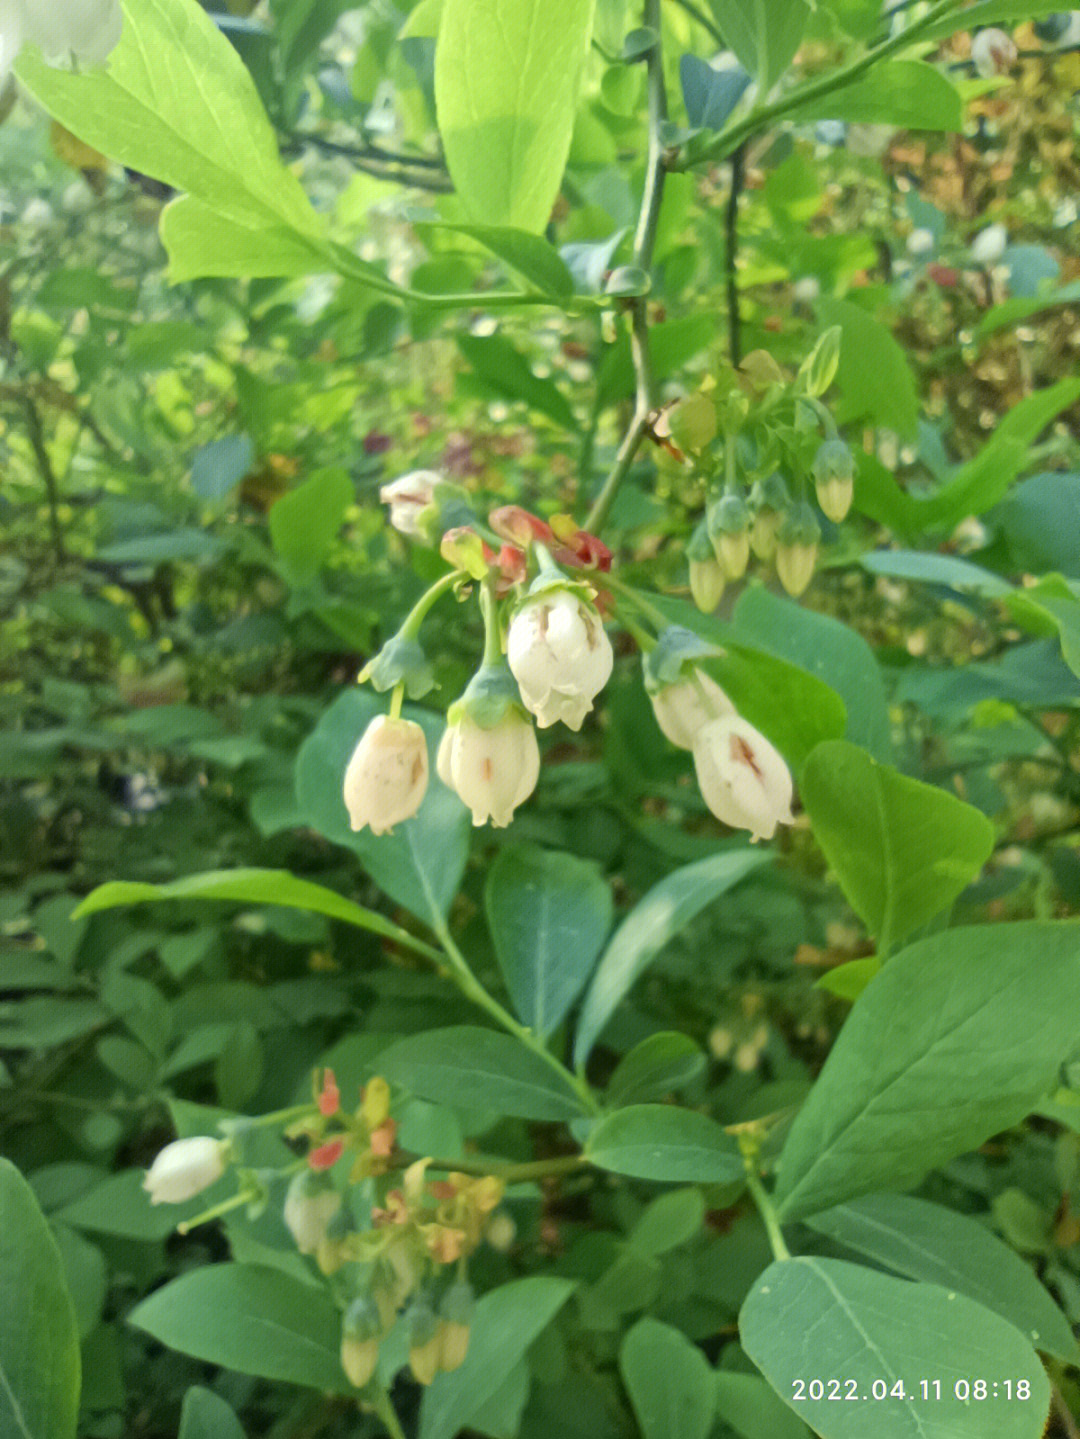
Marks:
<point>660,1142</point>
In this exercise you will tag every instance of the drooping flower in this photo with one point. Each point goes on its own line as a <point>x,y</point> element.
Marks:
<point>492,770</point>
<point>742,777</point>
<point>683,709</point>
<point>728,525</point>
<point>993,52</point>
<point>361,1331</point>
<point>408,496</point>
<point>834,479</point>
<point>387,776</point>
<point>310,1204</point>
<point>989,245</point>
<point>185,1168</point>
<point>796,548</point>
<point>560,656</point>
<point>85,30</point>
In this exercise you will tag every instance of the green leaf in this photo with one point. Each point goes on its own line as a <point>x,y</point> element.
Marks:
<point>658,1065</point>
<point>870,1329</point>
<point>252,1319</point>
<point>933,569</point>
<point>1063,612</point>
<point>202,242</point>
<point>304,523</point>
<point>906,93</point>
<point>987,12</point>
<point>505,1323</point>
<point>178,103</point>
<point>506,83</point>
<point>827,649</point>
<point>669,1220</point>
<point>246,886</point>
<point>39,1338</point>
<point>420,865</point>
<point>479,1069</point>
<point>924,1241</point>
<point>669,1382</point>
<point>1021,307</point>
<point>653,922</point>
<point>549,914</point>
<point>957,1038</point>
<point>529,255</point>
<point>902,850</point>
<point>753,1409</point>
<point>661,1142</point>
<point>502,367</point>
<point>764,34</point>
<point>875,378</point>
<point>205,1415</point>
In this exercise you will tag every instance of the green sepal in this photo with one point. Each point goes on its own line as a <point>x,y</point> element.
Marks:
<point>449,509</point>
<point>362,1319</point>
<point>728,516</point>
<point>422,1320</point>
<point>770,493</point>
<point>833,461</point>
<point>699,547</point>
<point>260,1181</point>
<point>400,661</point>
<point>489,695</point>
<point>675,647</point>
<point>800,526</point>
<point>458,1303</point>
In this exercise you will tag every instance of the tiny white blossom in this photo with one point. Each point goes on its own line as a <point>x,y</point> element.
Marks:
<point>310,1204</point>
<point>185,1168</point>
<point>490,770</point>
<point>988,245</point>
<point>743,779</point>
<point>993,52</point>
<point>387,776</point>
<point>560,656</point>
<point>407,497</point>
<point>920,241</point>
<point>683,709</point>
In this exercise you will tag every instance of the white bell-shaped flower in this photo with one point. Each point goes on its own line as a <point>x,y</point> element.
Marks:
<point>491,770</point>
<point>408,496</point>
<point>387,776</point>
<point>742,778</point>
<point>84,30</point>
<point>310,1204</point>
<point>185,1168</point>
<point>560,656</point>
<point>684,708</point>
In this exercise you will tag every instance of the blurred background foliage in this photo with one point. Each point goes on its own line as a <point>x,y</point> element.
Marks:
<point>167,647</point>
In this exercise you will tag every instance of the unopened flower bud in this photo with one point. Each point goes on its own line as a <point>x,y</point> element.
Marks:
<point>743,779</point>
<point>989,245</point>
<point>361,1331</point>
<point>455,1319</point>
<point>993,52</point>
<point>425,1340</point>
<point>834,479</point>
<point>796,550</point>
<point>729,530</point>
<point>387,776</point>
<point>491,770</point>
<point>769,499</point>
<point>408,496</point>
<point>560,656</point>
<point>310,1203</point>
<point>706,584</point>
<point>375,1102</point>
<point>692,422</point>
<point>185,1168</point>
<point>920,241</point>
<point>683,709</point>
<point>501,1231</point>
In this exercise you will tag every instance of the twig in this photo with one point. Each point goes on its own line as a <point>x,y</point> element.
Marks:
<point>731,229</point>
<point>644,243</point>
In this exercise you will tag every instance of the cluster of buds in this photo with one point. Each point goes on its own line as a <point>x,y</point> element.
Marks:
<point>743,778</point>
<point>546,658</point>
<point>737,433</point>
<point>64,30</point>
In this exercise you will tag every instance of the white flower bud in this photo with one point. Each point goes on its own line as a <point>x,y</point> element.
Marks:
<point>993,52</point>
<point>310,1204</point>
<point>491,770</point>
<point>387,776</point>
<point>86,30</point>
<point>407,496</point>
<point>560,656</point>
<point>706,584</point>
<point>743,779</point>
<point>806,289</point>
<point>37,214</point>
<point>920,242</point>
<point>988,245</point>
<point>795,566</point>
<point>683,709</point>
<point>185,1168</point>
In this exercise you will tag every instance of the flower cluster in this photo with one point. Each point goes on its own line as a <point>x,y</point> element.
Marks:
<point>397,1240</point>
<point>742,777</point>
<point>86,30</point>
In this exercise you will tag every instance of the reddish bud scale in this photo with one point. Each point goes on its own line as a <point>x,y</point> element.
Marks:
<point>329,1096</point>
<point>326,1155</point>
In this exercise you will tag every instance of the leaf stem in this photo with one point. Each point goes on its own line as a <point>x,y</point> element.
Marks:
<point>652,613</point>
<point>644,244</point>
<point>767,1212</point>
<point>760,118</point>
<point>471,987</point>
<point>509,1173</point>
<point>410,625</point>
<point>384,1408</point>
